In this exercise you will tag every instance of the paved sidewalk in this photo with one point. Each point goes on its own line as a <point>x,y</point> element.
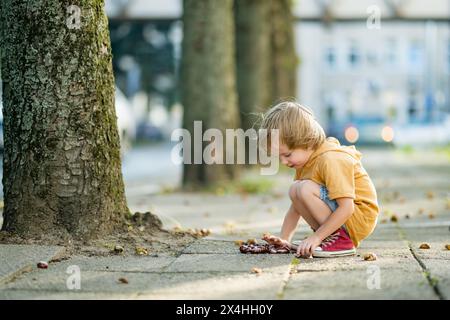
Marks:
<point>413,187</point>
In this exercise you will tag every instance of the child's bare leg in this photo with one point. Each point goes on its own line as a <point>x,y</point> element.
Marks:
<point>307,198</point>
<point>296,210</point>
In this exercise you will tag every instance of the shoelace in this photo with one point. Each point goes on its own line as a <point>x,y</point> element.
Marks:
<point>330,239</point>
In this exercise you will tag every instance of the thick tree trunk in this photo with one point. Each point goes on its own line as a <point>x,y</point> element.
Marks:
<point>208,80</point>
<point>62,168</point>
<point>253,58</point>
<point>284,59</point>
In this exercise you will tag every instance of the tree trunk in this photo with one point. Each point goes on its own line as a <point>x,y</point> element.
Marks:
<point>284,59</point>
<point>253,58</point>
<point>62,167</point>
<point>208,80</point>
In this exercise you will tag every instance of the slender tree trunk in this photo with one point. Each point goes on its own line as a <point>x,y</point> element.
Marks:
<point>62,168</point>
<point>253,58</point>
<point>208,80</point>
<point>284,59</point>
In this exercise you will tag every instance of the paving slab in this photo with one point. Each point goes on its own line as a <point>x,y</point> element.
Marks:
<point>212,246</point>
<point>358,284</point>
<point>182,285</point>
<point>116,263</point>
<point>384,262</point>
<point>440,274</point>
<point>16,259</point>
<point>275,263</point>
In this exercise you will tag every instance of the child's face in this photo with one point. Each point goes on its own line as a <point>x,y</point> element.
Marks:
<point>295,158</point>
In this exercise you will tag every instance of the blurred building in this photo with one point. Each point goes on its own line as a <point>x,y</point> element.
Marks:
<point>371,65</point>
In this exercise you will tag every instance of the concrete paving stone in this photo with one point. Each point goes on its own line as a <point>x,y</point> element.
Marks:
<point>393,284</point>
<point>226,286</point>
<point>382,244</point>
<point>275,263</point>
<point>427,234</point>
<point>116,263</point>
<point>58,295</point>
<point>440,271</point>
<point>212,246</point>
<point>436,251</point>
<point>397,261</point>
<point>17,258</point>
<point>181,284</point>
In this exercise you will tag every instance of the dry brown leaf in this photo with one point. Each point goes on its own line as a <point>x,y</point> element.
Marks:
<point>251,241</point>
<point>257,270</point>
<point>394,218</point>
<point>370,256</point>
<point>123,280</point>
<point>140,251</point>
<point>447,246</point>
<point>431,215</point>
<point>118,249</point>
<point>430,194</point>
<point>424,246</point>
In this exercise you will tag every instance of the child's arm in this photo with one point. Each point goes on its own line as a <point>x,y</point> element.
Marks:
<point>289,224</point>
<point>334,222</point>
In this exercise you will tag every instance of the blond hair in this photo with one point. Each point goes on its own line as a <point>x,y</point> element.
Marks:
<point>296,124</point>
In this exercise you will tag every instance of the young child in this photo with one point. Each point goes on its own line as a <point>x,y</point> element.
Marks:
<point>332,191</point>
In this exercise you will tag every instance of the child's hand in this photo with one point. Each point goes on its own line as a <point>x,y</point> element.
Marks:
<point>307,246</point>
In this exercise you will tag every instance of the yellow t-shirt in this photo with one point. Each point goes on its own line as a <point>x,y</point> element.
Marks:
<point>339,169</point>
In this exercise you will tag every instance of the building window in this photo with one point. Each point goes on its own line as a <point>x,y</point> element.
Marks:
<point>330,57</point>
<point>391,54</point>
<point>415,55</point>
<point>354,55</point>
<point>448,55</point>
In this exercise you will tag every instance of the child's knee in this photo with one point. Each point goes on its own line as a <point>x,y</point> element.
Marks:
<point>301,190</point>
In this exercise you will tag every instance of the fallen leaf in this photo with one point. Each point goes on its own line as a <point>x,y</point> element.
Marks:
<point>118,249</point>
<point>205,232</point>
<point>430,195</point>
<point>140,251</point>
<point>370,256</point>
<point>394,218</point>
<point>257,270</point>
<point>447,246</point>
<point>424,246</point>
<point>251,241</point>
<point>42,265</point>
<point>431,215</point>
<point>123,280</point>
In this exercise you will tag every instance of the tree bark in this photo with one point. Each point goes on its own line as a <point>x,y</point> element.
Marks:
<point>208,80</point>
<point>253,58</point>
<point>284,59</point>
<point>62,167</point>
